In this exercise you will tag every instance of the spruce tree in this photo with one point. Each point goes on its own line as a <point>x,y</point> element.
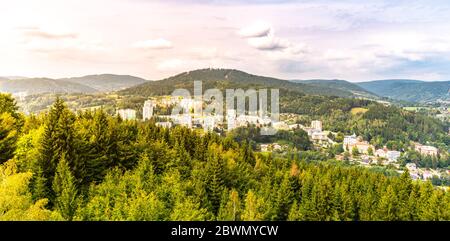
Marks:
<point>215,176</point>
<point>253,208</point>
<point>388,205</point>
<point>57,142</point>
<point>230,208</point>
<point>65,190</point>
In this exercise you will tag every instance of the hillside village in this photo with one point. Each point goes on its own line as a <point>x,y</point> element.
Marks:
<point>355,150</point>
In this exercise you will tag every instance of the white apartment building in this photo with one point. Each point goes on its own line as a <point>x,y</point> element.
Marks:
<point>316,124</point>
<point>184,120</point>
<point>147,111</point>
<point>209,123</point>
<point>231,119</point>
<point>127,114</point>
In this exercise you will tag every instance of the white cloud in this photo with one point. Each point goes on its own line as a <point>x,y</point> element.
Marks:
<point>153,44</point>
<point>268,42</point>
<point>261,35</point>
<point>37,33</point>
<point>258,29</point>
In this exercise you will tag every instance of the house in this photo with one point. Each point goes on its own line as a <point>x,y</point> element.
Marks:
<point>349,141</point>
<point>352,141</point>
<point>393,155</point>
<point>427,175</point>
<point>363,147</point>
<point>426,150</point>
<point>381,153</point>
<point>264,147</point>
<point>411,167</point>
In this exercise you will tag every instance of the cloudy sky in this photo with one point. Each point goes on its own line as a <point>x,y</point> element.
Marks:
<point>345,39</point>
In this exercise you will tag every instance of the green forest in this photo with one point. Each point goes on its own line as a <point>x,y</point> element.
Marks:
<point>90,165</point>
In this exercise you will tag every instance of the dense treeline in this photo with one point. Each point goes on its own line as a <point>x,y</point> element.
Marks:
<point>251,134</point>
<point>92,166</point>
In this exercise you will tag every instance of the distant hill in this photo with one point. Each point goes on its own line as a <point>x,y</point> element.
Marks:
<point>107,82</point>
<point>85,84</point>
<point>13,77</point>
<point>341,85</point>
<point>43,85</point>
<point>409,90</point>
<point>227,78</point>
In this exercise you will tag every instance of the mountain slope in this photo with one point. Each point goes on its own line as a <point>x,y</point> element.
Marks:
<point>409,90</point>
<point>227,78</point>
<point>341,85</point>
<point>107,82</point>
<point>85,84</point>
<point>43,85</point>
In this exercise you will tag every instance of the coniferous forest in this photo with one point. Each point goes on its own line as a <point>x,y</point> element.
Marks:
<point>61,165</point>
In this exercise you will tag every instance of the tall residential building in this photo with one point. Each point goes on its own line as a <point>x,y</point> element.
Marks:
<point>147,112</point>
<point>127,114</point>
<point>231,119</point>
<point>184,120</point>
<point>209,123</point>
<point>316,124</point>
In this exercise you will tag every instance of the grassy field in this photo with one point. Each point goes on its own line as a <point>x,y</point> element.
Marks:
<point>358,110</point>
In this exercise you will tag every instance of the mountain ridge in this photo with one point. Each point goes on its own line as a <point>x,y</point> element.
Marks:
<point>42,85</point>
<point>83,84</point>
<point>409,90</point>
<point>340,84</point>
<point>106,82</point>
<point>227,78</point>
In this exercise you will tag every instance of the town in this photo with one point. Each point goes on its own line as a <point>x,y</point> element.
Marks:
<point>354,149</point>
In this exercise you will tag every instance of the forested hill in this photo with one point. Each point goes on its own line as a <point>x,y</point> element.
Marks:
<point>227,78</point>
<point>42,85</point>
<point>341,85</point>
<point>107,82</point>
<point>85,84</point>
<point>410,90</point>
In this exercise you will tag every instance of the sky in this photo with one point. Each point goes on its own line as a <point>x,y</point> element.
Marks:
<point>323,39</point>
